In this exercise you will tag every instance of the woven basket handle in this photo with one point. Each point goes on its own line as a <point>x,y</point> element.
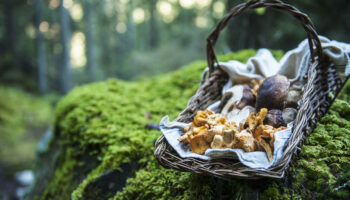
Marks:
<point>305,21</point>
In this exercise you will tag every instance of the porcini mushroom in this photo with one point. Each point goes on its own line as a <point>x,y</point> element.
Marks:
<point>238,97</point>
<point>272,92</point>
<point>274,118</point>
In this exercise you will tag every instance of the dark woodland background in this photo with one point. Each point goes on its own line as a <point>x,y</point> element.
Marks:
<point>47,46</point>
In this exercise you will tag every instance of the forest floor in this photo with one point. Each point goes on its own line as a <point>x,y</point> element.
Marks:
<point>24,118</point>
<point>8,184</point>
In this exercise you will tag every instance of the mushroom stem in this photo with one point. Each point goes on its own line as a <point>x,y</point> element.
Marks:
<point>267,149</point>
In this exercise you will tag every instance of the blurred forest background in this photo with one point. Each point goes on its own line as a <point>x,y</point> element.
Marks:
<point>53,45</point>
<point>47,47</point>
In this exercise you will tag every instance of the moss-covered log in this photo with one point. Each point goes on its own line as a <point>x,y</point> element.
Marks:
<point>101,149</point>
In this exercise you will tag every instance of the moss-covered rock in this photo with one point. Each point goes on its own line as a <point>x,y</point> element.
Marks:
<point>23,120</point>
<point>100,129</point>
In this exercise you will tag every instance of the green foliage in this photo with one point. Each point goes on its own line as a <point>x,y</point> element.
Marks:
<point>107,121</point>
<point>145,64</point>
<point>23,119</point>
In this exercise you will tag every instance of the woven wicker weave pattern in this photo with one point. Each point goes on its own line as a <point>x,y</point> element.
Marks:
<point>322,79</point>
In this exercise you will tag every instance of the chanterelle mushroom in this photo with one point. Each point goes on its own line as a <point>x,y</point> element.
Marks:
<point>228,137</point>
<point>245,141</point>
<point>198,144</point>
<point>217,142</point>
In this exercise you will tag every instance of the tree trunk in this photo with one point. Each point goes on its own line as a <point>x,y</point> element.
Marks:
<point>41,57</point>
<point>90,41</point>
<point>66,74</point>
<point>131,29</point>
<point>153,24</point>
<point>9,26</point>
<point>10,33</point>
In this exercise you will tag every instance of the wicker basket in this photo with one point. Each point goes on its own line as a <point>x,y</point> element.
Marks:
<point>322,86</point>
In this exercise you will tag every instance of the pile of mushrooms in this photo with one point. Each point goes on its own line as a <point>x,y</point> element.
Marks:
<point>239,125</point>
<point>274,93</point>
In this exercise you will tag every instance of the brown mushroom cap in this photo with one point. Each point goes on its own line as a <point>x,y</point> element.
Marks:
<point>274,118</point>
<point>238,97</point>
<point>272,92</point>
<point>224,100</point>
<point>248,98</point>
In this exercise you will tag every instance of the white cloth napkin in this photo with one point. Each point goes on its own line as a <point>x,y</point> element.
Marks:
<point>294,65</point>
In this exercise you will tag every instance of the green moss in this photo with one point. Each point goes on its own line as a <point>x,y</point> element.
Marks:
<point>23,119</point>
<point>325,153</point>
<point>61,175</point>
<point>106,121</point>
